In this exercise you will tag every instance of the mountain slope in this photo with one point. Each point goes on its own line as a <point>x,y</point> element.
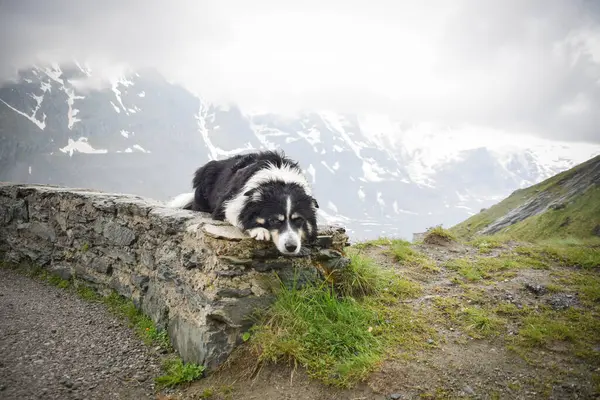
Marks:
<point>144,135</point>
<point>565,205</point>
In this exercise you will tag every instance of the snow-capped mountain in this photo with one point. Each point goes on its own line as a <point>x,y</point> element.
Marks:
<point>146,136</point>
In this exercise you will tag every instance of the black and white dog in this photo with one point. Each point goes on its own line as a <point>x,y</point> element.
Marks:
<point>265,194</point>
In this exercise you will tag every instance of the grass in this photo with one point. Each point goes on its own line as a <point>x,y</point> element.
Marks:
<point>485,244</point>
<point>481,322</point>
<point>438,233</point>
<point>577,219</point>
<point>576,327</point>
<point>402,252</point>
<point>570,252</point>
<point>339,338</point>
<point>175,371</point>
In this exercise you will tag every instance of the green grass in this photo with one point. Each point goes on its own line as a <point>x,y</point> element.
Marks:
<point>438,233</point>
<point>340,339</point>
<point>402,252</point>
<point>583,212</point>
<point>177,372</point>
<point>579,328</point>
<point>485,244</point>
<point>577,220</point>
<point>481,322</point>
<point>566,252</point>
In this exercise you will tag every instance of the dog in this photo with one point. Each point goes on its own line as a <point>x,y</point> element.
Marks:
<point>264,194</point>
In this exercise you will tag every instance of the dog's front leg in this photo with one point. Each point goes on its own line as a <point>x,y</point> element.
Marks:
<point>259,233</point>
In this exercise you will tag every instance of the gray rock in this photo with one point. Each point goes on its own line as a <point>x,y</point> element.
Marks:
<point>117,234</point>
<point>535,288</point>
<point>191,275</point>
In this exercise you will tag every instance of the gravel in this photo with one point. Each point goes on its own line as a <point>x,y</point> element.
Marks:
<point>54,345</point>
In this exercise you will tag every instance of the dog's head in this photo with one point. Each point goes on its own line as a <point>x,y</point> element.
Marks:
<point>286,211</point>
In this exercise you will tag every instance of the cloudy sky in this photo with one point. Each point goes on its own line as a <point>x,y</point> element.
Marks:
<point>529,66</point>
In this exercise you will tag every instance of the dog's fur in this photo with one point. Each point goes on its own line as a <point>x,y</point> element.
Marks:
<point>265,194</point>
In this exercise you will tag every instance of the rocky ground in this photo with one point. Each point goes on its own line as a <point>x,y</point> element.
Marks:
<point>503,323</point>
<point>54,345</point>
<point>488,354</point>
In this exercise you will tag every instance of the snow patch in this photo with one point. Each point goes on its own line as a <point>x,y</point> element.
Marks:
<point>40,124</point>
<point>72,112</point>
<point>81,145</point>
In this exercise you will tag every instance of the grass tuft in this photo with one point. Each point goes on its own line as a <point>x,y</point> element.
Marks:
<point>364,277</point>
<point>340,339</point>
<point>177,372</point>
<point>438,235</point>
<point>402,252</point>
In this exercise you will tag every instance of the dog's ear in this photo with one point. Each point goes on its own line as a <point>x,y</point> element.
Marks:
<point>314,203</point>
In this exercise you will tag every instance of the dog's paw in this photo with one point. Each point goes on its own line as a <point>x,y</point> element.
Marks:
<point>259,233</point>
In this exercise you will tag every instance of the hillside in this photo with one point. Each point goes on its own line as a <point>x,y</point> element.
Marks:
<point>565,205</point>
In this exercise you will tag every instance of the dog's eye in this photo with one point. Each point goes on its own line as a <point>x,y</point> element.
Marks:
<point>297,220</point>
<point>274,221</point>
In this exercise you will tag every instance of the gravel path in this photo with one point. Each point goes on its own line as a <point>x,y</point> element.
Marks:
<point>54,345</point>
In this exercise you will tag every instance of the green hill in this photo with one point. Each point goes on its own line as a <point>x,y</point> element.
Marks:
<point>566,205</point>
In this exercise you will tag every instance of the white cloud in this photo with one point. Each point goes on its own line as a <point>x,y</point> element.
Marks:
<point>526,66</point>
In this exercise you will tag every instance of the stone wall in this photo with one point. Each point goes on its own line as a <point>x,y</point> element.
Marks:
<point>198,278</point>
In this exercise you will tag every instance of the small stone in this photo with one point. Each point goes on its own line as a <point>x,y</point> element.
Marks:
<point>430,341</point>
<point>535,288</point>
<point>395,396</point>
<point>469,390</point>
<point>140,377</point>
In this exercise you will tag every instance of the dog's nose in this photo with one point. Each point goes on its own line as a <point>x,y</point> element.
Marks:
<point>291,247</point>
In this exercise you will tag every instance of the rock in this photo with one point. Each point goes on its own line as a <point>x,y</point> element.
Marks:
<point>324,241</point>
<point>232,292</point>
<point>224,232</point>
<point>469,390</point>
<point>395,396</point>
<point>535,288</point>
<point>117,234</point>
<point>199,279</point>
<point>141,282</point>
<point>596,230</point>
<point>557,206</point>
<point>562,301</point>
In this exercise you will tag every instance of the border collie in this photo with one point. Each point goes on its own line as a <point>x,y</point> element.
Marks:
<point>265,194</point>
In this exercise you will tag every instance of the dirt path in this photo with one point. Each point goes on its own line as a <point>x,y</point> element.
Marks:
<point>54,345</point>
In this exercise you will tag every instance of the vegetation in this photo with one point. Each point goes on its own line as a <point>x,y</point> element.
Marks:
<point>340,339</point>
<point>576,218</point>
<point>436,234</point>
